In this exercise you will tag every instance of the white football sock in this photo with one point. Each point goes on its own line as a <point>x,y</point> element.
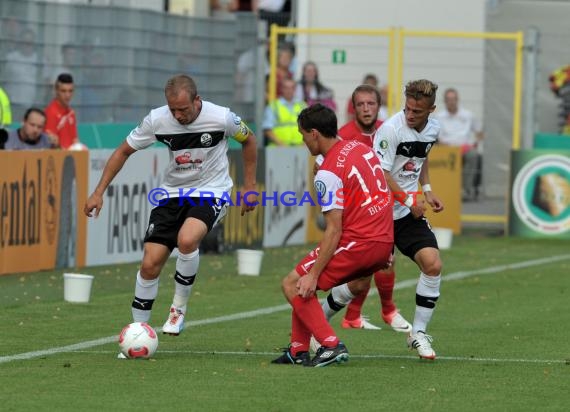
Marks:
<point>145,294</point>
<point>337,299</point>
<point>186,271</point>
<point>427,293</point>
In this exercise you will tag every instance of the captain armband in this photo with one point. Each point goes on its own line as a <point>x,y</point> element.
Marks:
<point>242,133</point>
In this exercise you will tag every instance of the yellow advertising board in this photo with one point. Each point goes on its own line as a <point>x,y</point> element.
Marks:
<point>445,178</point>
<point>42,225</point>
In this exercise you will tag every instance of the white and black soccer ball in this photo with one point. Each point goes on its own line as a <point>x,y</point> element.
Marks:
<point>138,340</point>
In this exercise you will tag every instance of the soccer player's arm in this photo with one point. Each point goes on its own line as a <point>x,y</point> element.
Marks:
<point>139,138</point>
<point>430,197</point>
<point>332,212</point>
<point>243,134</point>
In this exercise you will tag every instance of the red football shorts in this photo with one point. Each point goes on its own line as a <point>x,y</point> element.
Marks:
<point>350,261</point>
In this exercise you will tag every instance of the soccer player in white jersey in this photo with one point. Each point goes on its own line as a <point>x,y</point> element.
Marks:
<point>197,181</point>
<point>403,143</point>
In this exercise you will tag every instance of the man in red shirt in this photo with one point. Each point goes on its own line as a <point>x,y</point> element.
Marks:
<point>366,101</point>
<point>358,239</point>
<point>60,117</point>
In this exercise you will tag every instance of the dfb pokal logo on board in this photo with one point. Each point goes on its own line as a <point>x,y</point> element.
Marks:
<point>541,194</point>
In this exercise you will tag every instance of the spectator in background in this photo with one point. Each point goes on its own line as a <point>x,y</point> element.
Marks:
<point>559,81</point>
<point>459,127</point>
<point>10,29</point>
<point>21,72</point>
<point>61,122</point>
<point>280,118</point>
<point>5,109</point>
<point>284,59</point>
<point>311,90</point>
<point>5,116</point>
<point>30,135</point>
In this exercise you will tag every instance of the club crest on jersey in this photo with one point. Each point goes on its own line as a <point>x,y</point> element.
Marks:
<point>206,139</point>
<point>321,188</point>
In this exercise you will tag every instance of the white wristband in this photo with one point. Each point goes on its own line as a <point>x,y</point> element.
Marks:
<point>409,202</point>
<point>426,188</point>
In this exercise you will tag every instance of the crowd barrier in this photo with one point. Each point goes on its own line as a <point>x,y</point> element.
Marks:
<point>42,193</point>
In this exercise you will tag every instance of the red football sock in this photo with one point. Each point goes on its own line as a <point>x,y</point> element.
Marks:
<point>385,285</point>
<point>354,308</point>
<point>312,316</point>
<point>300,335</point>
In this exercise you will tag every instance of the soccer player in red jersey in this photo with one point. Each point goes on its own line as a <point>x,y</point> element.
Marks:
<point>358,238</point>
<point>366,101</point>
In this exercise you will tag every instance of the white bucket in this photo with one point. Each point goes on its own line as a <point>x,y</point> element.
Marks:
<point>444,237</point>
<point>77,287</point>
<point>249,261</point>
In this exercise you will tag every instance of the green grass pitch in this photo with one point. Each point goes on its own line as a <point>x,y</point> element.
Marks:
<point>500,331</point>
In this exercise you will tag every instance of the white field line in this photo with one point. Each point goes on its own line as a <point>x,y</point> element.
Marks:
<point>352,356</point>
<point>273,309</point>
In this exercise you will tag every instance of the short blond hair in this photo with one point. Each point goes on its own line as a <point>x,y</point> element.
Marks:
<point>179,83</point>
<point>421,89</point>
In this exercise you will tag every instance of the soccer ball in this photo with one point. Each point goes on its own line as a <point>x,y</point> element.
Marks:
<point>138,340</point>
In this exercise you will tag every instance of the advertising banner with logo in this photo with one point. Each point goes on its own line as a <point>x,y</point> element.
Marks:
<point>41,198</point>
<point>286,196</point>
<point>540,194</point>
<point>117,235</point>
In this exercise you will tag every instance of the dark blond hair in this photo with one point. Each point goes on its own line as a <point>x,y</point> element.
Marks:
<point>367,88</point>
<point>421,89</point>
<point>179,83</point>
